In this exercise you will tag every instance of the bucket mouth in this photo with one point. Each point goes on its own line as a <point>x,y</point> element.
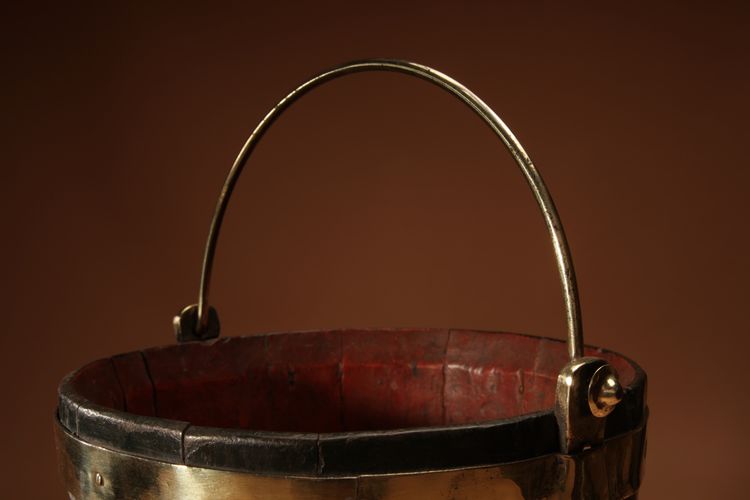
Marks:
<point>335,402</point>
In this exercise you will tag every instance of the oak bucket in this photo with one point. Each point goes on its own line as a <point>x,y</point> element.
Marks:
<point>358,414</point>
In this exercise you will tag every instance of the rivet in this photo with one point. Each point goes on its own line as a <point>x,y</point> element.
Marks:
<point>99,479</point>
<point>605,391</point>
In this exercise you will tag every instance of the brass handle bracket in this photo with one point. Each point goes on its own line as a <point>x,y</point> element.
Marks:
<point>588,389</point>
<point>186,325</point>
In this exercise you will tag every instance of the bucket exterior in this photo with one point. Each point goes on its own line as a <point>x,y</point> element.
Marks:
<point>610,472</point>
<point>427,414</point>
<point>114,442</point>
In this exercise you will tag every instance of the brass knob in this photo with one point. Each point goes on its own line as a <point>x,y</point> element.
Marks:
<point>605,391</point>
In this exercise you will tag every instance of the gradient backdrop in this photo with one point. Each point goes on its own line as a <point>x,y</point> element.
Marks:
<point>379,200</point>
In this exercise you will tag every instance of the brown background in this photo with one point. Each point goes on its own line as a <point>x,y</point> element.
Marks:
<point>379,200</point>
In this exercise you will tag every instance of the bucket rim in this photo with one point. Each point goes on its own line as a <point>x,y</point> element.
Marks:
<point>338,453</point>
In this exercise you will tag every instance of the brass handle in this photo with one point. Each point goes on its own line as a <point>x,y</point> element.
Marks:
<point>201,321</point>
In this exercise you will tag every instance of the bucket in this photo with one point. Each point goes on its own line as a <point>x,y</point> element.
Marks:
<point>359,414</point>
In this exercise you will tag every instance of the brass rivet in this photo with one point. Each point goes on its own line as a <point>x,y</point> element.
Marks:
<point>605,391</point>
<point>99,479</point>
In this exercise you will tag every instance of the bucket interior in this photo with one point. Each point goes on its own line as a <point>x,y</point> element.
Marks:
<point>337,381</point>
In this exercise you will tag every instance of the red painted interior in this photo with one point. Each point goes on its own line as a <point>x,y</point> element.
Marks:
<point>337,381</point>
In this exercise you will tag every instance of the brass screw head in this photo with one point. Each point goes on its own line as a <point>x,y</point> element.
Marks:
<point>605,391</point>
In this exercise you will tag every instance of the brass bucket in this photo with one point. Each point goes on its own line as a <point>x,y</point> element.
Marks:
<point>358,414</point>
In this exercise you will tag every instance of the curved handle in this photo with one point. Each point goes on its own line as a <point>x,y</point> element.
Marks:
<point>201,321</point>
